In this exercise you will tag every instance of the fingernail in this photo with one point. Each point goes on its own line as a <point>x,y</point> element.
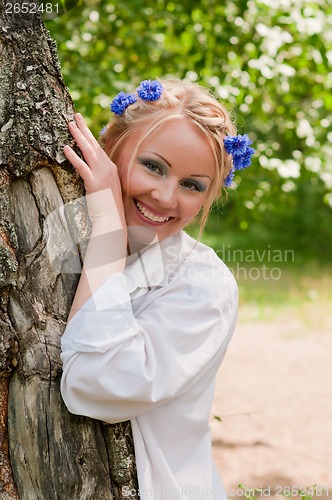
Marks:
<point>78,115</point>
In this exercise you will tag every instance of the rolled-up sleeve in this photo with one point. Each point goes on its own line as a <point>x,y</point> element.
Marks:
<point>117,366</point>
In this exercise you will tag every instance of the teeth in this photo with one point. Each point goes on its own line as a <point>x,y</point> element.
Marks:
<point>149,215</point>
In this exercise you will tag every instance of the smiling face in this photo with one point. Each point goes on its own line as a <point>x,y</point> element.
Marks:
<point>169,179</point>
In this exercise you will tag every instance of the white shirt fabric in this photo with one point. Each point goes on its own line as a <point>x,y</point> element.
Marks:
<point>146,348</point>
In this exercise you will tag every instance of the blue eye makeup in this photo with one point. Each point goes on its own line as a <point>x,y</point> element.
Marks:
<point>157,168</point>
<point>152,165</point>
<point>192,185</point>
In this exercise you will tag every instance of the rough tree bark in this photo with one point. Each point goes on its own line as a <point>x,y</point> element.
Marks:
<point>45,452</point>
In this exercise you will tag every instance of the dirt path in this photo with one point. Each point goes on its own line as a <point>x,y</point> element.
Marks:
<point>274,395</point>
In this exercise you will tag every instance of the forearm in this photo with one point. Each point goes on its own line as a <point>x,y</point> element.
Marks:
<point>105,256</point>
<point>106,250</point>
<point>107,247</point>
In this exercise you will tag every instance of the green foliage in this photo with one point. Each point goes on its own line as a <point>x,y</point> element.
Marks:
<point>269,60</point>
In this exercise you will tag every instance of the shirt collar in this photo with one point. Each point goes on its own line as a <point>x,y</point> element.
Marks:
<point>152,266</point>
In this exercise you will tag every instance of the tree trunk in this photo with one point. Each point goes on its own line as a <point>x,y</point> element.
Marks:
<point>46,453</point>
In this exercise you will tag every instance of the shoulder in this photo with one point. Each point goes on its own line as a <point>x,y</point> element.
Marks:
<point>202,272</point>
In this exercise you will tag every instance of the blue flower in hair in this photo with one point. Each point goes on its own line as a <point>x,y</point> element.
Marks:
<point>229,178</point>
<point>244,160</point>
<point>150,90</point>
<point>239,147</point>
<point>121,102</point>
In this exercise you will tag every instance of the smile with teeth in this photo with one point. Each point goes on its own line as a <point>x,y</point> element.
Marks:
<point>149,215</point>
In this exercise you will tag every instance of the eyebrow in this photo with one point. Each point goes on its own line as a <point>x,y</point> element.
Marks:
<point>168,163</point>
<point>164,159</point>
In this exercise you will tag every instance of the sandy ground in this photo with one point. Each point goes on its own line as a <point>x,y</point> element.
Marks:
<point>274,396</point>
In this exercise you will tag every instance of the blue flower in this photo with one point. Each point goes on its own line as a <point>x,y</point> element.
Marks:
<point>150,90</point>
<point>229,178</point>
<point>237,145</point>
<point>121,102</point>
<point>243,160</point>
<point>103,130</point>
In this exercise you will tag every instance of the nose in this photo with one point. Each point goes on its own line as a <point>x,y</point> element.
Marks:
<point>166,194</point>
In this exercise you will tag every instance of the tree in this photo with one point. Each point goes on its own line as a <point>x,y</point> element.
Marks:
<point>46,452</point>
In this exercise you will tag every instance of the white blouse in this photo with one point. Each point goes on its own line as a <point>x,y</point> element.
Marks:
<point>146,348</point>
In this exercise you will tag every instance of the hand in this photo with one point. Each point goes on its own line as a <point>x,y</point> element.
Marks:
<point>107,247</point>
<point>99,173</point>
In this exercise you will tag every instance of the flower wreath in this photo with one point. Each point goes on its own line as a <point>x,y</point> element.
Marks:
<point>238,146</point>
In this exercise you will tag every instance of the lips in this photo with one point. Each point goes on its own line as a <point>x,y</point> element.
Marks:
<point>149,215</point>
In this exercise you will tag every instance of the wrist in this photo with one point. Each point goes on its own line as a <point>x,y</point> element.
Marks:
<point>105,213</point>
<point>107,225</point>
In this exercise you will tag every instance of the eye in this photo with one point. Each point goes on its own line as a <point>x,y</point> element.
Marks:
<point>152,166</point>
<point>193,186</point>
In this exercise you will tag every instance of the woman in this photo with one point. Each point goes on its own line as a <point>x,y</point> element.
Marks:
<point>154,309</point>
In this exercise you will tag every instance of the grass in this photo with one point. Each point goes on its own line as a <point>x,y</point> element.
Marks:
<point>276,285</point>
<point>301,294</point>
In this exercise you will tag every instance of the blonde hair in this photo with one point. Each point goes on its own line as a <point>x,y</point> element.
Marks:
<point>179,99</point>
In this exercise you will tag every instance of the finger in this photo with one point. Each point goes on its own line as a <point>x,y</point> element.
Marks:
<point>94,155</point>
<point>89,151</point>
<point>78,134</point>
<point>80,122</point>
<point>80,166</point>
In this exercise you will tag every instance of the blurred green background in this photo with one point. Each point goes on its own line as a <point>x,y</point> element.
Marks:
<point>270,62</point>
